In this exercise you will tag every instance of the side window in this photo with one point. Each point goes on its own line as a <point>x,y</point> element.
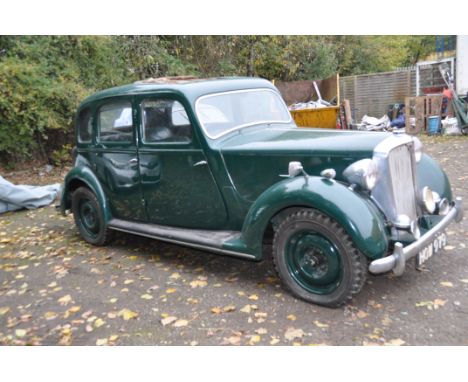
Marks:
<point>84,126</point>
<point>115,122</point>
<point>165,120</point>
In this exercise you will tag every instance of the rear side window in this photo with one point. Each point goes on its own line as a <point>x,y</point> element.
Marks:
<point>115,122</point>
<point>85,127</point>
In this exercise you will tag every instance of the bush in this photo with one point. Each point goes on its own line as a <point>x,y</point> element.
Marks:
<point>32,106</point>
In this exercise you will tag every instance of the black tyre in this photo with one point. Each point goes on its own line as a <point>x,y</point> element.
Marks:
<point>317,260</point>
<point>89,217</point>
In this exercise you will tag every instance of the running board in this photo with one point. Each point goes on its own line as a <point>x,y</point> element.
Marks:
<point>200,239</point>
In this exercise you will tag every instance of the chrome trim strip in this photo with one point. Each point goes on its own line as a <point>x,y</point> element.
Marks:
<point>247,124</point>
<point>388,144</point>
<point>187,244</point>
<point>397,260</point>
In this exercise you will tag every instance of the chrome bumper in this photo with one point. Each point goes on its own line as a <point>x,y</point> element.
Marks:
<point>397,261</point>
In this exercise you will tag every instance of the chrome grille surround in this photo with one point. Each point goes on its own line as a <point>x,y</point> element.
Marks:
<point>396,189</point>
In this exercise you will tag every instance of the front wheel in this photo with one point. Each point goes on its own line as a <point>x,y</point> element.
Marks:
<point>317,260</point>
<point>89,217</point>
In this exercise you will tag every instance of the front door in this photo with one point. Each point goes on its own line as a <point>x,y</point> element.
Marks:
<point>177,184</point>
<point>115,158</point>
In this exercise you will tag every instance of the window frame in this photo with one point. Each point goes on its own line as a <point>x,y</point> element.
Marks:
<point>157,97</point>
<point>79,141</point>
<point>110,101</point>
<point>214,137</point>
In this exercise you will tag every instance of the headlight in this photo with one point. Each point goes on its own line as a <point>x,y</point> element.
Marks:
<point>362,173</point>
<point>418,149</point>
<point>427,197</point>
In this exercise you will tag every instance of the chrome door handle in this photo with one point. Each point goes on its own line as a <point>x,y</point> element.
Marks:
<point>133,161</point>
<point>201,163</point>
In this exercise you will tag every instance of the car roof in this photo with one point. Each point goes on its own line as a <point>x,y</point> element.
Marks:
<point>191,87</point>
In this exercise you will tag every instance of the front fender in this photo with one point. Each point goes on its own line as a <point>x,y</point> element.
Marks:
<point>83,174</point>
<point>431,174</point>
<point>358,216</point>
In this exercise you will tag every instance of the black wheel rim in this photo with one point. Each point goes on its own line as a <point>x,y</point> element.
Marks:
<point>89,217</point>
<point>313,261</point>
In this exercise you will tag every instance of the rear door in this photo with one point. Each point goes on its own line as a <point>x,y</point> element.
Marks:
<point>115,158</point>
<point>177,184</point>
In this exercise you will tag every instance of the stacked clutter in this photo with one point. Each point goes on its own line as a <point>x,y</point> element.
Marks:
<point>311,104</point>
<point>460,106</point>
<point>374,124</point>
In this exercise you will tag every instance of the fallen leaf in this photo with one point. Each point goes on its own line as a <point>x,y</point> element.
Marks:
<point>233,340</point>
<point>171,290</point>
<point>449,247</point>
<point>261,331</point>
<point>50,315</point>
<point>20,333</point>
<point>320,325</point>
<point>126,282</point>
<point>180,323</point>
<point>146,296</point>
<point>253,297</point>
<point>229,308</point>
<point>113,300</point>
<point>292,333</point>
<point>438,302</point>
<point>133,258</point>
<point>291,317</point>
<point>99,322</point>
<point>369,343</point>
<point>446,284</point>
<point>168,320</point>
<point>113,338</point>
<point>361,314</point>
<point>386,321</point>
<point>274,341</point>
<point>254,339</point>
<point>432,305</point>
<point>74,309</point>
<point>424,303</point>
<point>127,314</point>
<point>101,341</point>
<point>65,300</point>
<point>175,276</point>
<point>198,283</point>
<point>246,309</point>
<point>465,281</point>
<point>216,310</point>
<point>395,342</point>
<point>4,310</point>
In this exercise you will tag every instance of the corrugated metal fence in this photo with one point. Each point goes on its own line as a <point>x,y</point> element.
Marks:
<point>372,94</point>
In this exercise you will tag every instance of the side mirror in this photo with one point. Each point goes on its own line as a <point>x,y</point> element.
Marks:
<point>294,169</point>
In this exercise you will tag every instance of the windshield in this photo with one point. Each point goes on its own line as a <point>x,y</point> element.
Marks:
<point>224,112</point>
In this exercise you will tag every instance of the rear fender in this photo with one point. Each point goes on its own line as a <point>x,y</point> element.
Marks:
<point>83,175</point>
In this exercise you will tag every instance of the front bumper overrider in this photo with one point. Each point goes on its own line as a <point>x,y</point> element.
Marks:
<point>397,261</point>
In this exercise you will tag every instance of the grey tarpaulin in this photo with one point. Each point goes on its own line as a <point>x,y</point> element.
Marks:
<point>14,197</point>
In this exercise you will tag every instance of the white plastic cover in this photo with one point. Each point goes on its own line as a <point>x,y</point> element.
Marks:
<point>14,197</point>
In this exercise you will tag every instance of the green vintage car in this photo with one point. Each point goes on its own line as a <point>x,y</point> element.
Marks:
<point>219,165</point>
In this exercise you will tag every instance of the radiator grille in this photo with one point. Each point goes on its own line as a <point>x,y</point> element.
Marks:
<point>402,183</point>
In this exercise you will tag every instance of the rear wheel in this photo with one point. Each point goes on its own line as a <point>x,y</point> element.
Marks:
<point>89,217</point>
<point>316,259</point>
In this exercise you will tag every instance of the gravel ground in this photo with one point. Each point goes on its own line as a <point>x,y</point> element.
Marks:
<point>56,289</point>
